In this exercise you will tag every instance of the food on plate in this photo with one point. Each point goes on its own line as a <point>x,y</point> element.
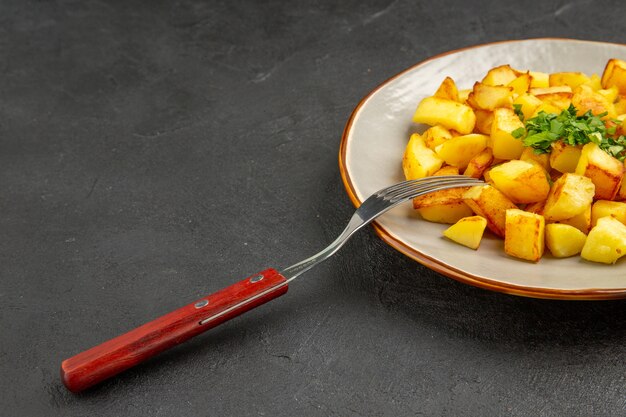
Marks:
<point>551,148</point>
<point>606,242</point>
<point>563,240</point>
<point>468,231</point>
<point>525,235</point>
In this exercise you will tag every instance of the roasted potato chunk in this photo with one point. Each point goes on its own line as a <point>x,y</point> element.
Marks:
<point>563,157</point>
<point>448,90</point>
<point>446,213</point>
<point>448,113</point>
<point>570,195</point>
<point>419,161</point>
<point>541,159</point>
<point>503,144</point>
<point>522,182</point>
<point>525,234</point>
<point>468,231</point>
<point>605,172</point>
<point>585,99</point>
<point>501,75</point>
<point>606,242</point>
<point>603,208</point>
<point>484,119</point>
<point>478,164</point>
<point>564,240</point>
<point>539,79</point>
<point>488,202</point>
<point>435,136</point>
<point>521,84</point>
<point>490,97</point>
<point>570,79</point>
<point>615,75</point>
<point>460,150</point>
<point>528,103</point>
<point>581,221</point>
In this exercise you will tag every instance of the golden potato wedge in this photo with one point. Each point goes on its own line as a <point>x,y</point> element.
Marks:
<point>524,235</point>
<point>570,195</point>
<point>484,119</point>
<point>564,240</point>
<point>570,79</point>
<point>603,208</point>
<point>542,159</point>
<point>490,97</point>
<point>560,101</point>
<point>610,94</point>
<point>605,172</point>
<point>445,213</point>
<point>521,84</point>
<point>615,75</point>
<point>529,103</point>
<point>522,182</point>
<point>594,82</point>
<point>580,221</point>
<point>488,202</point>
<point>503,144</point>
<point>563,157</point>
<point>606,242</point>
<point>620,105</point>
<point>468,231</point>
<point>459,150</point>
<point>501,75</point>
<point>435,136</point>
<point>419,161</point>
<point>450,114</point>
<point>447,170</point>
<point>585,99</point>
<point>539,79</point>
<point>440,198</point>
<point>448,90</point>
<point>545,107</point>
<point>478,164</point>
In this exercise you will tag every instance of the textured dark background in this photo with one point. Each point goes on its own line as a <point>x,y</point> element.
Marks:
<point>153,152</point>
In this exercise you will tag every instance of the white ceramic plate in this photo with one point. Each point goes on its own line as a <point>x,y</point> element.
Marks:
<point>376,135</point>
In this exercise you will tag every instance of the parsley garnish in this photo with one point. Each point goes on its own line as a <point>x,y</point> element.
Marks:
<point>545,128</point>
<point>517,108</point>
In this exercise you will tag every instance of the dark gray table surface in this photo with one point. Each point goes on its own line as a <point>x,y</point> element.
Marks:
<point>153,152</point>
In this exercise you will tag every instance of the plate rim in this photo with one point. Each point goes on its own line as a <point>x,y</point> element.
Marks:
<point>438,265</point>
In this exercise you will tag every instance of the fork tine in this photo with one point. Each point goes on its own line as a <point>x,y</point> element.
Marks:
<point>417,185</point>
<point>418,181</point>
<point>417,191</point>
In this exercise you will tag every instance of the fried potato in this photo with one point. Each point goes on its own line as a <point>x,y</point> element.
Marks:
<point>585,99</point>
<point>450,114</point>
<point>539,79</point>
<point>529,104</point>
<point>490,97</point>
<point>419,161</point>
<point>605,172</point>
<point>525,234</point>
<point>603,208</point>
<point>570,79</point>
<point>460,150</point>
<point>541,159</point>
<point>503,144</point>
<point>570,195</point>
<point>563,157</point>
<point>521,84</point>
<point>581,221</point>
<point>522,182</point>
<point>478,164</point>
<point>564,240</point>
<point>488,202</point>
<point>501,75</point>
<point>448,90</point>
<point>615,75</point>
<point>468,231</point>
<point>484,119</point>
<point>606,242</point>
<point>435,136</point>
<point>446,213</point>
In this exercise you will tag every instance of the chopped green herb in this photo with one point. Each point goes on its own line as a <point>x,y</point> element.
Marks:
<point>545,128</point>
<point>518,110</point>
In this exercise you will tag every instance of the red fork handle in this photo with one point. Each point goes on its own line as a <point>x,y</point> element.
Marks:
<point>125,351</point>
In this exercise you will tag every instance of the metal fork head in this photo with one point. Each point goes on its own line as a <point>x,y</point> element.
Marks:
<point>389,197</point>
<point>377,204</point>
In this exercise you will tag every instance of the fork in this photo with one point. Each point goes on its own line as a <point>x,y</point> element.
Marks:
<point>125,351</point>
